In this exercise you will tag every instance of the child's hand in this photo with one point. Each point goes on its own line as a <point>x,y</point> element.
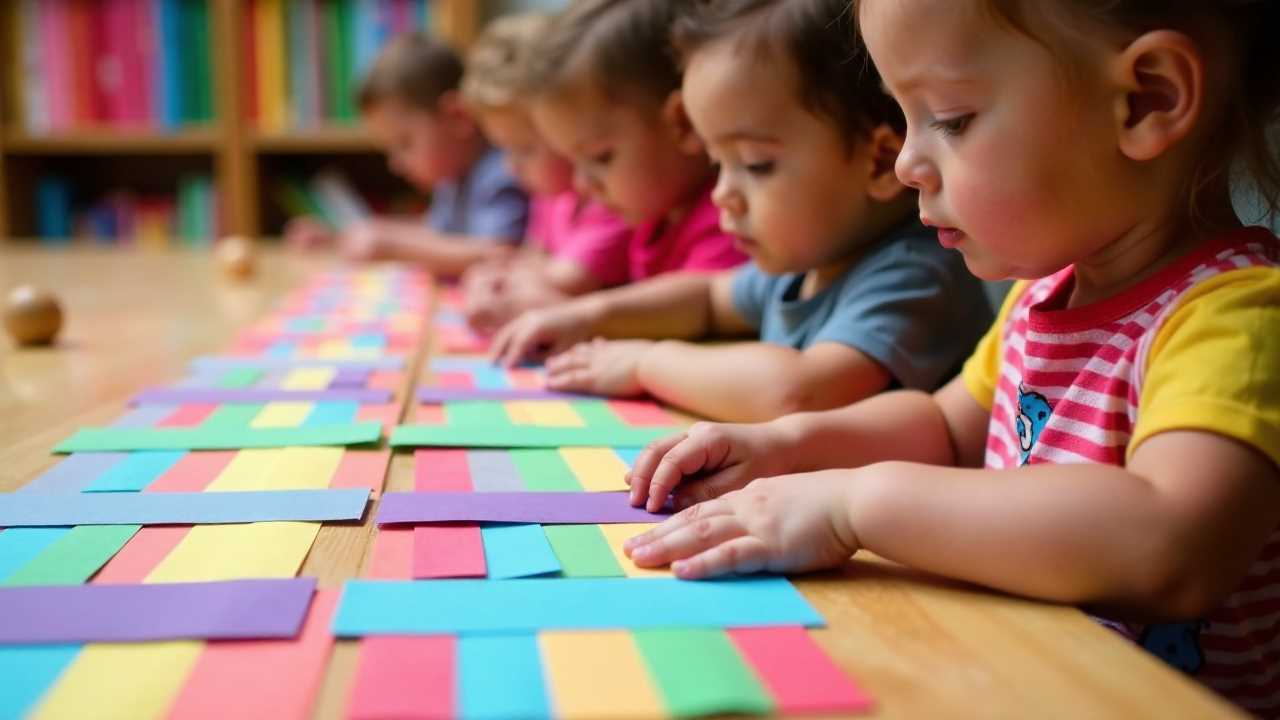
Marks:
<point>538,334</point>
<point>486,303</point>
<point>307,233</point>
<point>599,367</point>
<point>792,523</point>
<point>705,462</point>
<point>363,241</point>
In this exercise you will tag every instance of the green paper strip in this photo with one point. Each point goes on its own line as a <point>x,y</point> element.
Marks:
<point>525,436</point>
<point>75,557</point>
<point>240,378</point>
<point>544,470</point>
<point>476,413</point>
<point>699,672</point>
<point>582,551</point>
<point>231,417</point>
<point>113,439</point>
<point>597,413</point>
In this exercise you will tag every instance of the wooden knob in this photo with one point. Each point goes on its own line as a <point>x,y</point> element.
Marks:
<point>32,316</point>
<point>235,257</point>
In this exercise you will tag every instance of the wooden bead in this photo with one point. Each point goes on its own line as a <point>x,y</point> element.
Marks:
<point>32,316</point>
<point>235,257</point>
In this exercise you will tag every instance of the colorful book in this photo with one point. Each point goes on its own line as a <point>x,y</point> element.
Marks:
<point>269,39</point>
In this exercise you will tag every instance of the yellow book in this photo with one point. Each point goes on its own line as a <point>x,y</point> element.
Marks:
<point>269,41</point>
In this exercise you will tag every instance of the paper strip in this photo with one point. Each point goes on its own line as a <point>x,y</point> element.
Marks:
<point>493,471</point>
<point>598,674</point>
<point>74,557</point>
<point>699,672</point>
<point>500,676</point>
<point>801,677</point>
<point>308,379</point>
<point>143,416</point>
<point>362,469</point>
<point>597,469</point>
<point>331,413</point>
<point>282,414</point>
<point>448,606</point>
<point>28,671</point>
<point>547,413</point>
<point>441,470</point>
<point>556,508</point>
<point>206,438</point>
<point>447,551</point>
<point>442,394</point>
<point>517,551</point>
<point>19,546</point>
<point>194,472</point>
<point>141,555</point>
<point>32,510</point>
<point>255,395</point>
<point>261,678</point>
<point>406,678</point>
<point>295,468</point>
<point>141,613</point>
<point>73,474</point>
<point>239,378</point>
<point>545,470</point>
<point>248,470</point>
<point>389,362</point>
<point>120,682</point>
<point>477,414</point>
<point>581,550</point>
<point>188,416</point>
<point>235,416</point>
<point>392,555</point>
<point>640,412</point>
<point>136,471</point>
<point>616,535</point>
<point>234,552</point>
<point>524,436</point>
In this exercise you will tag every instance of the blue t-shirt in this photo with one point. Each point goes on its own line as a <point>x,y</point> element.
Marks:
<point>909,304</point>
<point>487,202</point>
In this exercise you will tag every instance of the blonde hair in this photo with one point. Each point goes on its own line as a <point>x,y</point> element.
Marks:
<point>497,65</point>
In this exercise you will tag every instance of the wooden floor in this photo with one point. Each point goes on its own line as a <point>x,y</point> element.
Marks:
<point>924,648</point>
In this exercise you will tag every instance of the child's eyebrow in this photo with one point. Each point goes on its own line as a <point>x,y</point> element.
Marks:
<point>744,135</point>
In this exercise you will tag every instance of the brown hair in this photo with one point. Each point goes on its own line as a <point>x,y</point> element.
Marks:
<point>622,46</point>
<point>1253,98</point>
<point>835,80</point>
<point>497,64</point>
<point>413,69</point>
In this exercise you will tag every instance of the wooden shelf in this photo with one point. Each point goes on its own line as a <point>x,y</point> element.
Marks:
<point>114,142</point>
<point>317,140</point>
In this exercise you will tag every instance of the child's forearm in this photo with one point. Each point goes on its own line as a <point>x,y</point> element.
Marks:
<point>439,254</point>
<point>748,382</point>
<point>671,306</point>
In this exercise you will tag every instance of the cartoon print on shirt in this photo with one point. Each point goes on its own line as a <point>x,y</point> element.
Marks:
<point>1178,644</point>
<point>1034,411</point>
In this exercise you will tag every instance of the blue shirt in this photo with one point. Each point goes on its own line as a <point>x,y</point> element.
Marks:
<point>487,202</point>
<point>909,304</point>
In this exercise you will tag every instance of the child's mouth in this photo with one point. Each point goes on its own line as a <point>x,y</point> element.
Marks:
<point>950,237</point>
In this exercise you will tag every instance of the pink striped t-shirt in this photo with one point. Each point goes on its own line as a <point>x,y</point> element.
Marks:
<point>582,231</point>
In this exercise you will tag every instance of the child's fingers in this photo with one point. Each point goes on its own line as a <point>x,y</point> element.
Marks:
<point>688,540</point>
<point>646,463</point>
<point>498,348</point>
<point>676,522</point>
<point>742,556</point>
<point>691,455</point>
<point>703,489</point>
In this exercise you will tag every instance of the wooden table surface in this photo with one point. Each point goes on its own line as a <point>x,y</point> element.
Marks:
<point>923,647</point>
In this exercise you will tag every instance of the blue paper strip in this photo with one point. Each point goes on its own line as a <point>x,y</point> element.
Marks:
<point>500,676</point>
<point>462,606</point>
<point>517,551</point>
<point>19,546</point>
<point>332,413</point>
<point>144,416</point>
<point>35,510</point>
<point>28,672</point>
<point>136,472</point>
<point>74,473</point>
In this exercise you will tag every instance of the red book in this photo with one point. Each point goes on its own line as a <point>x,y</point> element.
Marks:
<point>80,29</point>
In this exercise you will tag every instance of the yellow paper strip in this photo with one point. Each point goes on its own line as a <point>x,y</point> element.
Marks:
<point>309,379</point>
<point>597,674</point>
<point>305,468</point>
<point>237,552</point>
<point>248,470</point>
<point>545,413</point>
<point>597,469</point>
<point>282,414</point>
<point>132,681</point>
<point>616,535</point>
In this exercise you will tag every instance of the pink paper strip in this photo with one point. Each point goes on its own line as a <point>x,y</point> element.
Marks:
<point>392,557</point>
<point>405,677</point>
<point>641,413</point>
<point>144,551</point>
<point>448,551</point>
<point>429,414</point>
<point>193,472</point>
<point>189,415</point>
<point>388,415</point>
<point>441,471</point>
<point>385,380</point>
<point>798,674</point>
<point>362,469</point>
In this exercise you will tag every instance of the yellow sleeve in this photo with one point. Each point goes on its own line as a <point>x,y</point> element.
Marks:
<point>1214,364</point>
<point>982,369</point>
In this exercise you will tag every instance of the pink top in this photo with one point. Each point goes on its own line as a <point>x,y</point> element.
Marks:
<point>585,232</point>
<point>694,243</point>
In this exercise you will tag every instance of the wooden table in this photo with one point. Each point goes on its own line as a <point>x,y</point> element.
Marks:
<point>923,647</point>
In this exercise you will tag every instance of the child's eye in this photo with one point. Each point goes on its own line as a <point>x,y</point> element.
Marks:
<point>760,168</point>
<point>603,158</point>
<point>953,126</point>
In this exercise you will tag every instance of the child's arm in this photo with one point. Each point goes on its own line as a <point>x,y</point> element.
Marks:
<point>678,305</point>
<point>385,239</point>
<point>741,382</point>
<point>1169,535</point>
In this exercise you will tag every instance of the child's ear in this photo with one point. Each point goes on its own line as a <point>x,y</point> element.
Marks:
<point>882,148</point>
<point>674,115</point>
<point>1161,76</point>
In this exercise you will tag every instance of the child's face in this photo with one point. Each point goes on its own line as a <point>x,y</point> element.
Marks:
<point>791,190</point>
<point>538,168</point>
<point>1016,164</point>
<point>640,162</point>
<point>422,147</point>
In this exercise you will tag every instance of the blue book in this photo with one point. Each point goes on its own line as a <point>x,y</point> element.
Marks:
<point>298,41</point>
<point>168,86</point>
<point>53,209</point>
<point>367,19</point>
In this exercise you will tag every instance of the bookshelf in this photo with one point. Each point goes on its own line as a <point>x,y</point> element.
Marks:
<point>241,159</point>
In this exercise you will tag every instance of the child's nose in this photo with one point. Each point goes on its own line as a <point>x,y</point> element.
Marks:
<point>585,184</point>
<point>916,171</point>
<point>726,197</point>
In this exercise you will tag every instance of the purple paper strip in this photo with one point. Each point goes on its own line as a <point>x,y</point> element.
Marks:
<point>73,474</point>
<point>351,377</point>
<point>450,394</point>
<point>213,396</point>
<point>240,609</point>
<point>550,508</point>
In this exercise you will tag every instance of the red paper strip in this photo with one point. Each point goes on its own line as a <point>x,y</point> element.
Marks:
<point>405,677</point>
<point>448,550</point>
<point>798,674</point>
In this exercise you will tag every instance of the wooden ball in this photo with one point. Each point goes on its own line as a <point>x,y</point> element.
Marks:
<point>32,316</point>
<point>235,257</point>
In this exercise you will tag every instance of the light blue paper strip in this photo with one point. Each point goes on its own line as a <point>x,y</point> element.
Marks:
<point>628,455</point>
<point>29,671</point>
<point>38,510</point>
<point>490,378</point>
<point>500,676</point>
<point>144,416</point>
<point>74,473</point>
<point>218,364</point>
<point>517,551</point>
<point>136,472</point>
<point>494,471</point>
<point>492,606</point>
<point>282,349</point>
<point>369,340</point>
<point>332,413</point>
<point>19,546</point>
